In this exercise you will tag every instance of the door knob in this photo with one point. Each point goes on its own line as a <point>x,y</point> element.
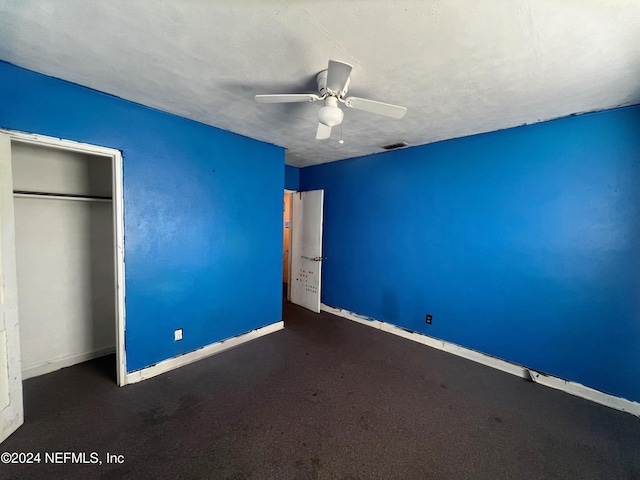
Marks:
<point>314,259</point>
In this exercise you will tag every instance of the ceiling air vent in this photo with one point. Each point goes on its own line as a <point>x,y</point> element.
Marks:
<point>393,146</point>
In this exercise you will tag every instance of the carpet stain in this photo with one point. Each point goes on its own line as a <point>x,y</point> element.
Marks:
<point>313,396</point>
<point>153,417</point>
<point>366,421</point>
<point>188,402</point>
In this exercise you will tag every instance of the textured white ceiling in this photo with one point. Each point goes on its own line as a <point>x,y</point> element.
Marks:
<point>460,67</point>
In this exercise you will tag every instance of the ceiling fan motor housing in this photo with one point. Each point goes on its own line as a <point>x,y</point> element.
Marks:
<point>322,85</point>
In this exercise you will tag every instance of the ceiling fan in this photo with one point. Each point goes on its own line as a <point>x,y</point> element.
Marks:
<point>332,88</point>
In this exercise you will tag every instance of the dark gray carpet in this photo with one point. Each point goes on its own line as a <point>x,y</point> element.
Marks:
<point>324,399</point>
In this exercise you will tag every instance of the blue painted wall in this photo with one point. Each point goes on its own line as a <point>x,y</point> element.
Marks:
<point>202,213</point>
<point>291,177</point>
<point>522,243</point>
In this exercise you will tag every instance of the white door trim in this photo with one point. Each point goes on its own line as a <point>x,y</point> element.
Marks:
<point>118,225</point>
<point>289,246</point>
<point>11,404</point>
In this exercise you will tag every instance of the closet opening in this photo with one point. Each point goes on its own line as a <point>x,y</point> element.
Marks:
<point>67,202</point>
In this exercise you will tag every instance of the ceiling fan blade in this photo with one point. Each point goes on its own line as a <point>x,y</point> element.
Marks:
<point>386,109</point>
<point>337,76</point>
<point>288,98</point>
<point>323,132</point>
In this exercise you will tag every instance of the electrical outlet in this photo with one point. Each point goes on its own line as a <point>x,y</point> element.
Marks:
<point>429,319</point>
<point>177,335</point>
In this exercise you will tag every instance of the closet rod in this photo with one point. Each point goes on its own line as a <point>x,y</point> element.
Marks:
<point>60,196</point>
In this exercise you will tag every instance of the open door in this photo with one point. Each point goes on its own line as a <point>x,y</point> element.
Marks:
<point>306,249</point>
<point>11,406</point>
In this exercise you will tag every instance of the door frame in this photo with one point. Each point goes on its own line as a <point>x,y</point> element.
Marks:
<point>118,225</point>
<point>286,190</point>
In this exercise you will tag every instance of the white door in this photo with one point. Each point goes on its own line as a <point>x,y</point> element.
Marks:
<point>306,248</point>
<point>11,408</point>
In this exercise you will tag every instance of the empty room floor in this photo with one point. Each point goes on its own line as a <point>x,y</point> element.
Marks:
<point>325,398</point>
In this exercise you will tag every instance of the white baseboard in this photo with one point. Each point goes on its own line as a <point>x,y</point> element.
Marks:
<point>53,365</point>
<point>573,388</point>
<point>182,360</point>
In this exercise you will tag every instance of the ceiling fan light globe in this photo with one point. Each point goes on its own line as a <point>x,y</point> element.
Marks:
<point>330,116</point>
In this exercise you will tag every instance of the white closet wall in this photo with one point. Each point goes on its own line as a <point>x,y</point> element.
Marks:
<point>65,258</point>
